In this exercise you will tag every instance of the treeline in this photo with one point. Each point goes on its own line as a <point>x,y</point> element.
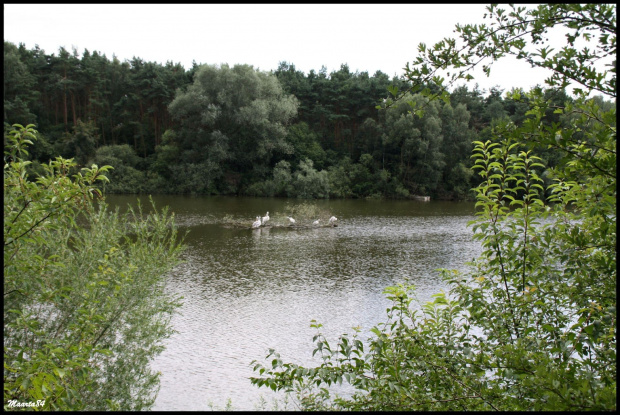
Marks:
<point>238,131</point>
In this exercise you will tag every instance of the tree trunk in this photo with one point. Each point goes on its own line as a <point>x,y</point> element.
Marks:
<point>103,133</point>
<point>73,109</point>
<point>155,126</point>
<point>65,109</point>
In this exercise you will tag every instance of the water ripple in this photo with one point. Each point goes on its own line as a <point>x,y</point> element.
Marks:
<point>249,290</point>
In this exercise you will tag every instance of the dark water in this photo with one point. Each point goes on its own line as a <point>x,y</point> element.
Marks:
<point>246,291</point>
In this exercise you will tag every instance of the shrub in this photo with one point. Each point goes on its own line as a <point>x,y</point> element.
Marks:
<point>85,307</point>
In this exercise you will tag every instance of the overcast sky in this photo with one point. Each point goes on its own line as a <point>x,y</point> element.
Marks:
<point>367,37</point>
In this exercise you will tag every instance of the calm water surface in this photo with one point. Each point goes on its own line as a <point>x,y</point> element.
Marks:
<point>246,291</point>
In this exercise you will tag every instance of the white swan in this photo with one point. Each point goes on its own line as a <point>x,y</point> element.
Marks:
<point>291,220</point>
<point>256,224</point>
<point>333,220</point>
<point>316,222</point>
<point>265,218</point>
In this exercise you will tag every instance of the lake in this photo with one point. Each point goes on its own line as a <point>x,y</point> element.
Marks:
<point>248,290</point>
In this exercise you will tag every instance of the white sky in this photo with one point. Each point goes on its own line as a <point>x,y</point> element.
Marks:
<point>367,37</point>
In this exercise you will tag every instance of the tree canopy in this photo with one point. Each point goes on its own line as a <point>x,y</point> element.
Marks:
<point>81,105</point>
<point>232,120</point>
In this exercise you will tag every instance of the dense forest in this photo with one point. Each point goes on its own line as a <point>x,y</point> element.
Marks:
<point>215,129</point>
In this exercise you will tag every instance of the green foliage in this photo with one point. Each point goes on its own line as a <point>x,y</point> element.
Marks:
<point>280,185</point>
<point>414,145</point>
<point>19,95</point>
<point>166,154</point>
<point>309,183</point>
<point>521,33</point>
<point>340,180</point>
<point>83,141</point>
<point>196,178</point>
<point>125,177</point>
<point>230,126</point>
<point>82,104</point>
<point>233,119</point>
<point>306,144</point>
<point>531,323</point>
<point>85,307</point>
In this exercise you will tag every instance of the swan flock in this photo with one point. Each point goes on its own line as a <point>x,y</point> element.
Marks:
<point>261,221</point>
